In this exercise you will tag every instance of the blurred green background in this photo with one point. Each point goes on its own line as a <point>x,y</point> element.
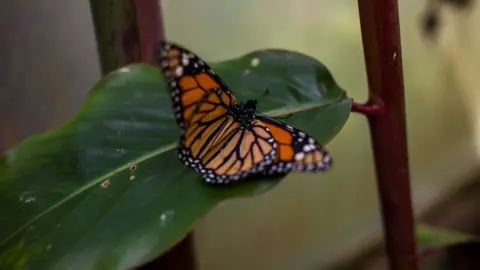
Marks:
<point>49,63</point>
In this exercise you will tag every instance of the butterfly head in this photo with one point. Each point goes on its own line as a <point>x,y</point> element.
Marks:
<point>250,105</point>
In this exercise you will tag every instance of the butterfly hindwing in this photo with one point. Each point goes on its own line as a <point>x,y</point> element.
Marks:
<point>219,147</point>
<point>296,151</point>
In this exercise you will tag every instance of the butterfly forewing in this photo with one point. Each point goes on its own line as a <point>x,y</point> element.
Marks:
<point>188,77</point>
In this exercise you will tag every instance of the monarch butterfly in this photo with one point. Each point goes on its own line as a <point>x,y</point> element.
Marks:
<point>226,140</point>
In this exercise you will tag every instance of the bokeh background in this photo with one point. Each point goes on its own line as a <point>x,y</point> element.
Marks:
<point>49,62</point>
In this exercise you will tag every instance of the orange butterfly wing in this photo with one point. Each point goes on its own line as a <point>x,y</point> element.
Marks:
<point>220,148</point>
<point>189,78</point>
<point>296,151</point>
<point>212,141</point>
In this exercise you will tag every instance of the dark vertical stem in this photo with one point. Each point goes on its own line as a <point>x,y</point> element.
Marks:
<point>181,257</point>
<point>126,33</point>
<point>150,28</point>
<point>383,57</point>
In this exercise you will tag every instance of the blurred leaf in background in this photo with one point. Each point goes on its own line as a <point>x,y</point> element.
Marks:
<point>434,237</point>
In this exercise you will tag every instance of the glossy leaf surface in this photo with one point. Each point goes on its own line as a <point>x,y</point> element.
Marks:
<point>106,190</point>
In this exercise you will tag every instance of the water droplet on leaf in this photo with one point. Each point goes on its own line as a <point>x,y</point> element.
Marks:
<point>28,197</point>
<point>166,216</point>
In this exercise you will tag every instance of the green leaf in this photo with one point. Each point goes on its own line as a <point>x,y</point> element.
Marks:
<point>432,237</point>
<point>106,189</point>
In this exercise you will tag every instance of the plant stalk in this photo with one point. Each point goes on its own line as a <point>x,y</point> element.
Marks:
<point>383,57</point>
<point>367,109</point>
<point>127,32</point>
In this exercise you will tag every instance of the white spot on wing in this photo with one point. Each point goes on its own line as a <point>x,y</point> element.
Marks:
<point>185,61</point>
<point>299,156</point>
<point>178,71</point>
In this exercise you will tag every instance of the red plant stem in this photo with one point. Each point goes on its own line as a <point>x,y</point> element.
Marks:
<point>150,28</point>
<point>126,32</point>
<point>367,109</point>
<point>383,57</point>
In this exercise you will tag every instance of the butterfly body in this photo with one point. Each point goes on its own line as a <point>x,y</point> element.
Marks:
<point>225,140</point>
<point>244,112</point>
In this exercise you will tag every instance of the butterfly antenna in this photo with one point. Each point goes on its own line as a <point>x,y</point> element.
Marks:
<point>264,94</point>
<point>267,90</point>
<point>277,117</point>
